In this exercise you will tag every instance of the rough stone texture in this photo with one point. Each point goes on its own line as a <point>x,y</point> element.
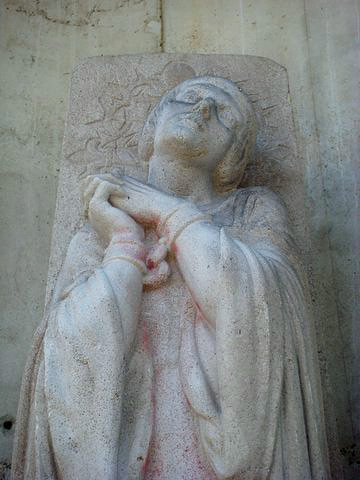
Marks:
<point>318,43</point>
<point>103,129</point>
<point>40,42</point>
<point>254,409</point>
<point>334,59</point>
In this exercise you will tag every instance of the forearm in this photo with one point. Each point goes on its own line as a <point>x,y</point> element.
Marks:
<point>114,287</point>
<point>124,266</point>
<point>207,269</point>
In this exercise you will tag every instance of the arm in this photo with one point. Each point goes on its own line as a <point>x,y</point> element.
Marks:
<point>249,380</point>
<point>121,263</point>
<point>240,290</point>
<point>211,258</point>
<point>207,255</point>
<point>87,346</point>
<point>208,269</point>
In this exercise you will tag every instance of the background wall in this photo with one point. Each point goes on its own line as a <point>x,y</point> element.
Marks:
<point>316,40</point>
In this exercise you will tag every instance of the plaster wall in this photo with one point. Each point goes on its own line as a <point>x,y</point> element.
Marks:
<point>40,43</point>
<point>318,43</point>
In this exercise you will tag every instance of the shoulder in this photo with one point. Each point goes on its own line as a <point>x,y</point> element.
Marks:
<point>260,218</point>
<point>257,202</point>
<point>83,255</point>
<point>84,251</point>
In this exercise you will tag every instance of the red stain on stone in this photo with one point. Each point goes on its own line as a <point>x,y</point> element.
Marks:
<point>154,466</point>
<point>199,313</point>
<point>121,229</point>
<point>145,338</point>
<point>150,264</point>
<point>145,465</point>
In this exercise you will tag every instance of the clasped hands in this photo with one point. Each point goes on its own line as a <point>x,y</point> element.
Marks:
<point>119,204</point>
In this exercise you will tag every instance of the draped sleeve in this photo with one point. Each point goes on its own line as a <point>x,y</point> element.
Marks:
<point>249,368</point>
<point>72,403</point>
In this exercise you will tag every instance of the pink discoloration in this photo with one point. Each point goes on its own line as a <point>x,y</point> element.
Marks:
<point>151,330</point>
<point>145,465</point>
<point>154,470</point>
<point>145,338</point>
<point>200,317</point>
<point>174,249</point>
<point>133,250</point>
<point>125,230</point>
<point>157,373</point>
<point>141,254</point>
<point>148,219</point>
<point>199,313</point>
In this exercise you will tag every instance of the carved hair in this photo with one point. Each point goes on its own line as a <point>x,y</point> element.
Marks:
<point>230,169</point>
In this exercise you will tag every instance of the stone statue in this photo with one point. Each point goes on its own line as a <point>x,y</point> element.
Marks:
<point>178,343</point>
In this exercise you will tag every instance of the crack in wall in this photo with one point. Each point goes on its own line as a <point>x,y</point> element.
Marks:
<point>82,21</point>
<point>161,17</point>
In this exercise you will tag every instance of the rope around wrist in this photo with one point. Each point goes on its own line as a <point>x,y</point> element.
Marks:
<point>137,263</point>
<point>128,248</point>
<point>178,220</point>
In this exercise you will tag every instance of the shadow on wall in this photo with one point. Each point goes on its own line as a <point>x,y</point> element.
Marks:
<point>5,471</point>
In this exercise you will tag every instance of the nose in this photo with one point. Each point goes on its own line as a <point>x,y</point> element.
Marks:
<point>205,106</point>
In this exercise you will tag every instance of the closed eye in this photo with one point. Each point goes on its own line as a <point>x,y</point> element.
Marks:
<point>190,97</point>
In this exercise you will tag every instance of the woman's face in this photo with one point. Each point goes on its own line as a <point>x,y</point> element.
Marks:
<point>197,125</point>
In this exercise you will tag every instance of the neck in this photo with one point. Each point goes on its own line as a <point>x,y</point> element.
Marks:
<point>171,176</point>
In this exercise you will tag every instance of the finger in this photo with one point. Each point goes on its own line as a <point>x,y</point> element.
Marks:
<point>127,200</point>
<point>89,186</point>
<point>129,189</point>
<point>89,191</point>
<point>99,204</point>
<point>127,178</point>
<point>158,275</point>
<point>93,180</point>
<point>133,181</point>
<point>106,189</point>
<point>84,184</point>
<point>90,180</point>
<point>157,254</point>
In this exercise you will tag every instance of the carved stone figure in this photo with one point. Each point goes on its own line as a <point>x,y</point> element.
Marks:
<point>178,344</point>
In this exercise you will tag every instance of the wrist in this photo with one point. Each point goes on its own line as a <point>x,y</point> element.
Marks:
<point>171,209</point>
<point>134,233</point>
<point>176,221</point>
<point>127,247</point>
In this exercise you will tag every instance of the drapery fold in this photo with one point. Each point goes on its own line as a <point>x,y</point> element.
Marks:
<point>82,379</point>
<point>251,377</point>
<point>252,380</point>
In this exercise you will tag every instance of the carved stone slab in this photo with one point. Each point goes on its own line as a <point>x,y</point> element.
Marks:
<point>109,102</point>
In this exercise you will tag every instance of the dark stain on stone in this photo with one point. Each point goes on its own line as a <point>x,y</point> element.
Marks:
<point>81,21</point>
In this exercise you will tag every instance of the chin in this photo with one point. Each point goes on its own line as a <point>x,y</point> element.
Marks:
<point>182,141</point>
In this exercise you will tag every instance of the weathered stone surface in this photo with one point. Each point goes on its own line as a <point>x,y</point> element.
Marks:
<point>234,388</point>
<point>316,41</point>
<point>93,143</point>
<point>40,42</point>
<point>318,44</point>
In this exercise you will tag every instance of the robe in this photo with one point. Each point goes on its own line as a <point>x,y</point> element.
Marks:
<point>217,379</point>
